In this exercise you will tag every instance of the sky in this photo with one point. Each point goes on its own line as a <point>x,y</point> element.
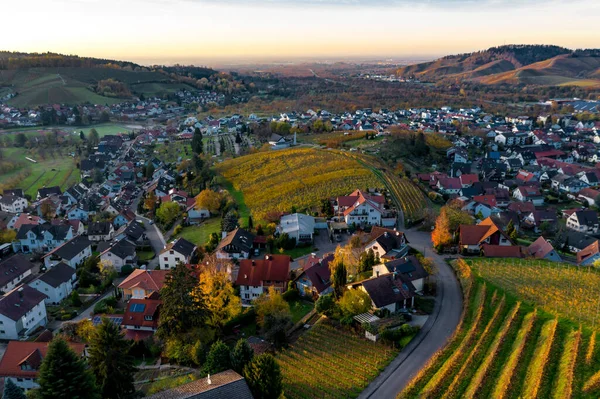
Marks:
<point>209,32</point>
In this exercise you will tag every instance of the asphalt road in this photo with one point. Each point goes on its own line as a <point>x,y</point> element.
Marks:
<point>434,334</point>
<point>155,237</point>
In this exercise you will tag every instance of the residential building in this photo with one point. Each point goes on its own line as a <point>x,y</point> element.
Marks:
<point>387,244</point>
<point>297,226</point>
<point>226,384</point>
<point>13,204</point>
<point>583,222</point>
<point>360,208</point>
<point>529,194</point>
<point>255,277</point>
<point>237,244</point>
<point>120,253</point>
<point>315,279</point>
<point>180,250</point>
<point>388,291</point>
<point>56,283</point>
<point>408,267</point>
<point>471,237</point>
<point>141,318</point>
<point>41,238</point>
<point>100,231</point>
<point>22,360</point>
<point>13,271</point>
<point>74,252</point>
<point>542,249</point>
<point>22,311</point>
<point>141,284</point>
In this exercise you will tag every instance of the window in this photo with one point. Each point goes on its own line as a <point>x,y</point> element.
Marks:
<point>171,252</point>
<point>2,332</point>
<point>247,296</point>
<point>177,259</point>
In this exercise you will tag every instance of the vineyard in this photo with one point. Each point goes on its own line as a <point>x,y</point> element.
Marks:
<point>511,344</point>
<point>330,363</point>
<point>225,144</point>
<point>300,177</point>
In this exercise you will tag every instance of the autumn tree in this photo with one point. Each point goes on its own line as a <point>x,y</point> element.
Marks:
<point>93,138</point>
<point>210,200</point>
<point>354,302</point>
<point>168,212</point>
<point>274,316</point>
<point>217,293</point>
<point>150,202</point>
<point>442,234</point>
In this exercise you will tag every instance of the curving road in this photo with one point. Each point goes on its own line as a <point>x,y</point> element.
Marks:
<point>434,334</point>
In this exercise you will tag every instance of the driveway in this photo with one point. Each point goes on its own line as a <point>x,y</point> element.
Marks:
<point>324,246</point>
<point>434,335</point>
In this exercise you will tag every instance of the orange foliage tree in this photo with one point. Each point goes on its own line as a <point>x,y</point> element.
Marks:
<point>442,234</point>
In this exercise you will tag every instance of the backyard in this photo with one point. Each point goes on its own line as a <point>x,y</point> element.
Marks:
<point>200,234</point>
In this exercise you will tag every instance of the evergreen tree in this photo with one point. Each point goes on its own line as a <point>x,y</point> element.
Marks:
<point>63,374</point>
<point>149,171</point>
<point>111,362</point>
<point>197,146</point>
<point>218,358</point>
<point>230,221</point>
<point>340,278</point>
<point>241,355</point>
<point>250,223</point>
<point>263,376</point>
<point>181,310</point>
<point>12,391</point>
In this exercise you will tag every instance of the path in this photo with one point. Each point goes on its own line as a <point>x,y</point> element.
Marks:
<point>432,337</point>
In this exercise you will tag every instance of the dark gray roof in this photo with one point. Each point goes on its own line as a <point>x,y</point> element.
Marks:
<point>13,267</point>
<point>19,301</point>
<point>71,248</point>
<point>99,228</point>
<point>387,289</point>
<point>237,240</point>
<point>121,248</point>
<point>15,191</point>
<point>57,275</point>
<point>587,218</point>
<point>183,247</point>
<point>134,230</point>
<point>409,267</point>
<point>46,191</point>
<point>225,385</point>
<point>59,232</point>
<point>9,199</point>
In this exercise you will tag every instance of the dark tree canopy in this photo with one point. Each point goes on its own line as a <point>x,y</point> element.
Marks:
<point>263,376</point>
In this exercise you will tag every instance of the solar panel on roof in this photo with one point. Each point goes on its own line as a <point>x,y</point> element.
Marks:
<point>138,307</point>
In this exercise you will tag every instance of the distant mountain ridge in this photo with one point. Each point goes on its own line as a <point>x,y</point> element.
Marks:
<point>513,64</point>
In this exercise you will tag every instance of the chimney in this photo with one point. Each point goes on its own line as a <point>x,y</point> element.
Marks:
<point>253,263</point>
<point>208,381</point>
<point>20,291</point>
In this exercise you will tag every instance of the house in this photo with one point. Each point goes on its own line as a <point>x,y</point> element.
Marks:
<point>100,231</point>
<point>41,238</point>
<point>56,283</point>
<point>141,284</point>
<point>22,311</point>
<point>297,226</point>
<point>529,194</point>
<point>24,218</point>
<point>315,279</point>
<point>590,254</point>
<point>74,252</point>
<point>134,232</point>
<point>276,141</point>
<point>226,384</point>
<point>408,267</point>
<point>360,208</point>
<point>180,250</point>
<point>123,218</point>
<point>13,271</point>
<point>486,232</point>
<point>388,291</point>
<point>588,196</point>
<point>120,253</point>
<point>13,204</point>
<point>197,216</point>
<point>255,277</point>
<point>584,222</point>
<point>536,218</point>
<point>45,192</point>
<point>237,244</point>
<point>21,361</point>
<point>387,244</point>
<point>542,249</point>
<point>449,185</point>
<point>141,318</point>
<point>468,179</point>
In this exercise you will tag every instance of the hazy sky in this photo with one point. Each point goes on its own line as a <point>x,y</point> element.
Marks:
<point>202,31</point>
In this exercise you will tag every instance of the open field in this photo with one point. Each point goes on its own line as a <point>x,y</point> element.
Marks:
<point>102,129</point>
<point>330,363</point>
<point>508,346</point>
<point>54,170</point>
<point>300,177</point>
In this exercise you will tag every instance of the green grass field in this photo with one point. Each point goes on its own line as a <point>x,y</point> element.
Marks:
<point>102,129</point>
<point>508,345</point>
<point>55,170</point>
<point>199,234</point>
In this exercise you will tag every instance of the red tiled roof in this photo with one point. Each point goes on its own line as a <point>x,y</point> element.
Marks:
<point>272,268</point>
<point>588,251</point>
<point>469,178</point>
<point>18,352</point>
<point>540,248</point>
<point>450,183</point>
<point>472,235</point>
<point>501,251</point>
<point>138,309</point>
<point>485,199</point>
<point>146,279</point>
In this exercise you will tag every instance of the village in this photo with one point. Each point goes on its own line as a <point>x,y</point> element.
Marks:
<point>141,219</point>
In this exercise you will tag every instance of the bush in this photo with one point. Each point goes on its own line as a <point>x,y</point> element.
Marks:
<point>177,229</point>
<point>126,270</point>
<point>291,295</point>
<point>325,305</point>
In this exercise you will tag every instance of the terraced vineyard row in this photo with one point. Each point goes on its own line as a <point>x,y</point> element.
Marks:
<point>509,348</point>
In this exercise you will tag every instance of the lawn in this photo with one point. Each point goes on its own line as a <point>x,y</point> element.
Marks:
<point>145,256</point>
<point>200,234</point>
<point>299,251</point>
<point>170,152</point>
<point>298,177</point>
<point>511,343</point>
<point>102,129</point>
<point>238,197</point>
<point>299,309</point>
<point>327,362</point>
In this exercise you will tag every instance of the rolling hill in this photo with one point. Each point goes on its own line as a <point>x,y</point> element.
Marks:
<point>39,79</point>
<point>513,64</point>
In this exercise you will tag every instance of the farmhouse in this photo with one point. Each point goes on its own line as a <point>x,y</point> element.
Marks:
<point>255,277</point>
